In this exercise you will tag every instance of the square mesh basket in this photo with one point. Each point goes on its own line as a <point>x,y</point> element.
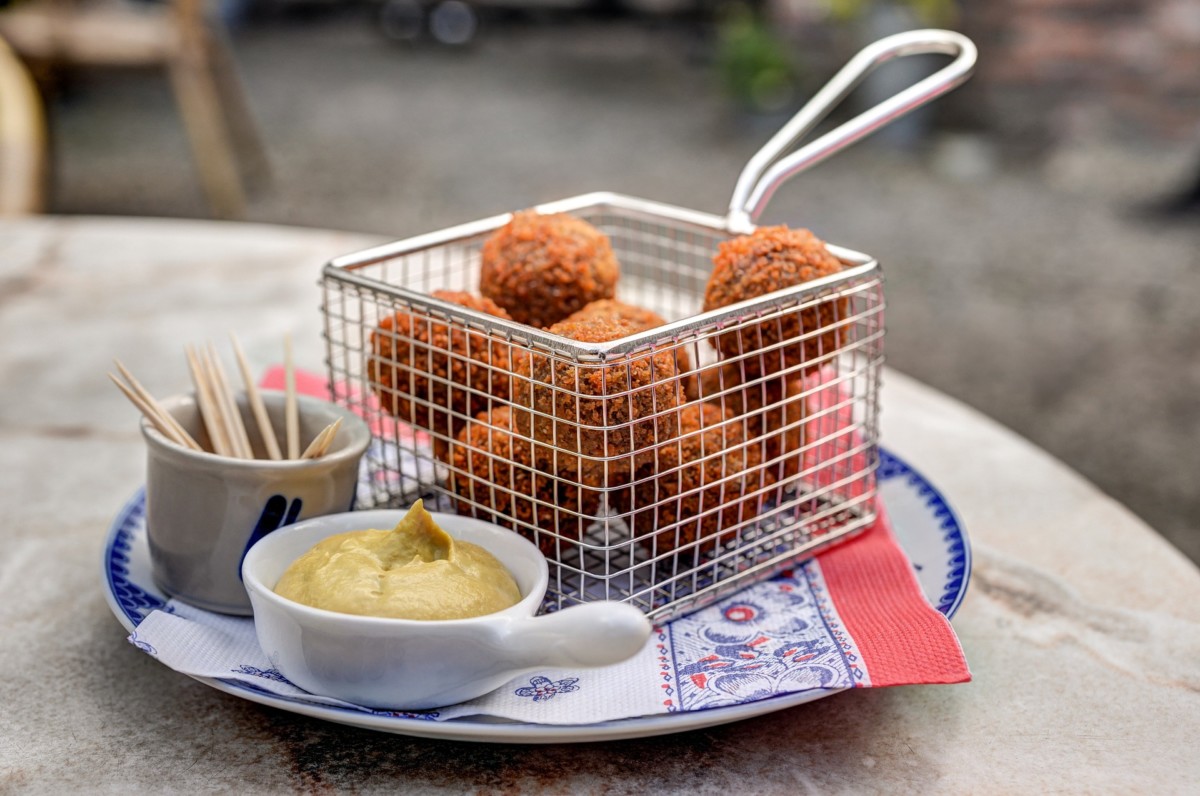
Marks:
<point>651,469</point>
<point>624,505</point>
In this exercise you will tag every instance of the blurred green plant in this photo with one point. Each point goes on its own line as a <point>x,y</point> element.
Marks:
<point>928,12</point>
<point>754,65</point>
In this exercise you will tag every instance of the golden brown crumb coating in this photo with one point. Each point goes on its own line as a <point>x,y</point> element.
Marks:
<point>703,485</point>
<point>433,375</point>
<point>612,409</point>
<point>614,310</point>
<point>773,411</point>
<point>767,260</point>
<point>503,478</point>
<point>639,318</point>
<point>542,268</point>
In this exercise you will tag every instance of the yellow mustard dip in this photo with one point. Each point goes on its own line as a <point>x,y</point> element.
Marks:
<point>414,571</point>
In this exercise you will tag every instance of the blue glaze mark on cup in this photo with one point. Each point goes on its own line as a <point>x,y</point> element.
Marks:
<point>275,514</point>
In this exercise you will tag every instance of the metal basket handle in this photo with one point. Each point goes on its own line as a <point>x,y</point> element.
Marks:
<point>758,181</point>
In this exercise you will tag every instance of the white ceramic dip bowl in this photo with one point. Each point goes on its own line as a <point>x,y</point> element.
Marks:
<point>412,664</point>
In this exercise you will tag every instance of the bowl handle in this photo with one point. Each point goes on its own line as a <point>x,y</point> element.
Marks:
<point>596,634</point>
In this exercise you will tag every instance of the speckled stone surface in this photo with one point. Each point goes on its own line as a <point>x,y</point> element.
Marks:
<point>1082,626</point>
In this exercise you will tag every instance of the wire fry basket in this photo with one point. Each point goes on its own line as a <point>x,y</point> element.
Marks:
<point>667,468</point>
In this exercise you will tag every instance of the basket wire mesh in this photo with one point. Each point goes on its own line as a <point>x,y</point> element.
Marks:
<point>613,523</point>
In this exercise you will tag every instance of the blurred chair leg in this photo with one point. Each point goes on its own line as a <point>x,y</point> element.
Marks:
<point>22,140</point>
<point>208,133</point>
<point>246,137</point>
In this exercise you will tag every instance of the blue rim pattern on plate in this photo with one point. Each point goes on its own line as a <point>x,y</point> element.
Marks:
<point>131,601</point>
<point>134,600</point>
<point>959,551</point>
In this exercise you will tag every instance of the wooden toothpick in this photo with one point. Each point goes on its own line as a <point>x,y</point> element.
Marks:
<point>265,429</point>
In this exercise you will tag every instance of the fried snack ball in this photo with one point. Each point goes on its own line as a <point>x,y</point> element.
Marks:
<point>500,477</point>
<point>451,373</point>
<point>597,410</point>
<point>614,310</point>
<point>639,318</point>
<point>702,486</point>
<point>767,260</point>
<point>773,411</point>
<point>542,268</point>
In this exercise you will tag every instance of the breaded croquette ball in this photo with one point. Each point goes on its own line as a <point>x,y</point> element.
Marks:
<point>602,409</point>
<point>639,318</point>
<point>703,485</point>
<point>612,309</point>
<point>773,411</point>
<point>767,260</point>
<point>502,477</point>
<point>541,268</point>
<point>433,375</point>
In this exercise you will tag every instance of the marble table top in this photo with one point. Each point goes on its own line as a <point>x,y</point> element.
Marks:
<point>1082,626</point>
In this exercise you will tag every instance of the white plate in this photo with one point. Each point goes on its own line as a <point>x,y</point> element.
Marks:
<point>923,522</point>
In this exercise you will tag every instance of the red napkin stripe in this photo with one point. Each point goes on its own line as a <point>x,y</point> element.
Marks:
<point>306,383</point>
<point>317,387</point>
<point>901,637</point>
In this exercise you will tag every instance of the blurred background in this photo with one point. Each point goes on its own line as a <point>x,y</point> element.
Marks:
<point>1040,227</point>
